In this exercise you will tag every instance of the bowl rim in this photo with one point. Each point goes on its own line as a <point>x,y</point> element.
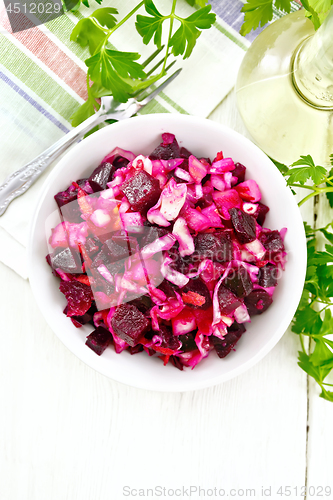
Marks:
<point>185,385</point>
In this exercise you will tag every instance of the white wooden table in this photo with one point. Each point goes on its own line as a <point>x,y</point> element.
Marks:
<point>68,433</point>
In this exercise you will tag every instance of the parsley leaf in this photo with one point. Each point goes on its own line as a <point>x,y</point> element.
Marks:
<point>321,355</point>
<point>92,30</point>
<point>308,171</point>
<point>283,168</point>
<point>148,26</point>
<point>306,365</point>
<point>308,230</point>
<point>201,3</point>
<point>109,68</point>
<point>260,12</point>
<point>307,321</point>
<point>87,109</point>
<point>327,395</point>
<point>184,39</point>
<point>284,5</point>
<point>256,12</point>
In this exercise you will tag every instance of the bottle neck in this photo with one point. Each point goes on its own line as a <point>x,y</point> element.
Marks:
<point>312,67</point>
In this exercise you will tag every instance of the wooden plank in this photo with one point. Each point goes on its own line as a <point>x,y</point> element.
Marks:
<point>320,437</point>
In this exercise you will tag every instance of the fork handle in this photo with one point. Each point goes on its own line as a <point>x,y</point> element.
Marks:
<point>18,182</point>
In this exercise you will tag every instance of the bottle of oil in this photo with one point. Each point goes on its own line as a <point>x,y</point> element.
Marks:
<point>285,89</point>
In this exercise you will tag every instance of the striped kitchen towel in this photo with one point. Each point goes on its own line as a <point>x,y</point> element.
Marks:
<point>43,81</point>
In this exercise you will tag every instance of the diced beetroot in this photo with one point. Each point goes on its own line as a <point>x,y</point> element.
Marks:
<point>179,263</point>
<point>79,297</point>
<point>67,260</point>
<point>176,362</point>
<point>257,302</point>
<point>78,321</point>
<point>224,347</point>
<point>167,150</point>
<point>152,233</point>
<point>188,343</point>
<point>239,172</point>
<point>227,300</point>
<point>267,276</point>
<point>101,176</point>
<point>184,153</point>
<point>167,288</point>
<point>244,225</point>
<point>116,251</point>
<point>129,323</point>
<point>238,328</point>
<point>205,202</point>
<point>99,340</point>
<point>64,197</point>
<point>67,200</point>
<point>196,294</point>
<point>142,191</point>
<point>261,213</point>
<point>239,281</point>
<point>92,246</point>
<point>136,349</point>
<point>272,241</point>
<point>143,303</point>
<point>214,246</point>
<point>169,341</point>
<point>120,162</point>
<point>226,200</point>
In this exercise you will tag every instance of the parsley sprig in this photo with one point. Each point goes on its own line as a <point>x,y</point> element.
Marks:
<point>313,319</point>
<point>120,73</point>
<point>259,12</point>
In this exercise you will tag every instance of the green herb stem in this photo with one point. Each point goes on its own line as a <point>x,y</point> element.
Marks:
<point>316,191</point>
<point>172,17</point>
<point>126,18</point>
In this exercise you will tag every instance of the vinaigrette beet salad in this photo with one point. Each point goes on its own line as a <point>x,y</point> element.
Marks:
<point>166,254</point>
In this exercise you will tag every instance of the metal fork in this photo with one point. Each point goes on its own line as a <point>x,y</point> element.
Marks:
<point>20,181</point>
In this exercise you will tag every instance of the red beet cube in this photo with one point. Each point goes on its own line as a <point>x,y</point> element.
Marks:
<point>239,281</point>
<point>215,246</point>
<point>261,213</point>
<point>239,172</point>
<point>142,191</point>
<point>196,294</point>
<point>268,276</point>
<point>243,224</point>
<point>167,150</point>
<point>257,302</point>
<point>101,176</point>
<point>129,323</point>
<point>99,340</point>
<point>272,241</point>
<point>79,297</point>
<point>223,347</point>
<point>67,260</point>
<point>227,300</point>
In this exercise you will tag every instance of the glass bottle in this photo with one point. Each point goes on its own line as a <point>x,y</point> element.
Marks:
<point>285,89</point>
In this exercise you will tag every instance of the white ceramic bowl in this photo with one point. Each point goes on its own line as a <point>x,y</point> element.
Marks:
<point>204,138</point>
